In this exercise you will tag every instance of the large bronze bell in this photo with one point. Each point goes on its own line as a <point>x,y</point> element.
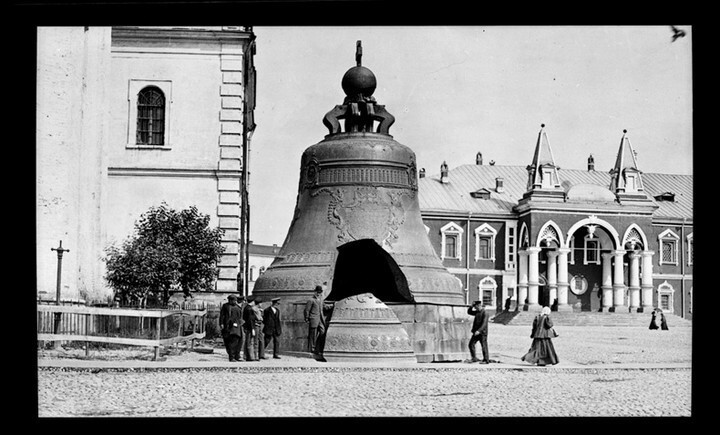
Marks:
<point>357,228</point>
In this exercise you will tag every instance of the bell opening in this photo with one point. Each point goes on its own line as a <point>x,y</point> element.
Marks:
<point>362,266</point>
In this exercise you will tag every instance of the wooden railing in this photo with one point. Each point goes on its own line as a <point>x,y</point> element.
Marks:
<point>131,327</point>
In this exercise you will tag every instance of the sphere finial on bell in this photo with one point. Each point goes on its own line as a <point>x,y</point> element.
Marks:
<point>359,81</point>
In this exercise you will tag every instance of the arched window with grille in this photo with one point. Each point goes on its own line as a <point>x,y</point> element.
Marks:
<point>151,116</point>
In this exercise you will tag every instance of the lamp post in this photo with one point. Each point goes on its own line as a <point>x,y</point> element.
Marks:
<point>60,252</point>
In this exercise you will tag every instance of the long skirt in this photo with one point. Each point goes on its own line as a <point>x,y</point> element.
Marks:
<point>542,352</point>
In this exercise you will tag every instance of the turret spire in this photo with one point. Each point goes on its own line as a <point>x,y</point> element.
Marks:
<point>542,172</point>
<point>625,177</point>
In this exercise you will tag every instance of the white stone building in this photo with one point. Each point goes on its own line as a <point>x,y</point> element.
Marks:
<point>128,118</point>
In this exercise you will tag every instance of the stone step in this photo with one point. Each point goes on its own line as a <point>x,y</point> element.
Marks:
<point>589,319</point>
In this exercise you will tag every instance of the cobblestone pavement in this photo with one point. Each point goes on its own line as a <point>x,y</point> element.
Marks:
<point>605,371</point>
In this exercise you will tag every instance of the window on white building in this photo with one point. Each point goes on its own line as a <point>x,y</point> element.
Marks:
<point>451,241</point>
<point>690,249</point>
<point>148,119</point>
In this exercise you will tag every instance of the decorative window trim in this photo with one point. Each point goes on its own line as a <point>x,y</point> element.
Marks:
<point>689,249</point>
<point>630,183</point>
<point>635,236</point>
<point>549,177</point>
<point>511,250</point>
<point>666,289</point>
<point>583,284</point>
<point>451,230</point>
<point>488,283</point>
<point>485,231</point>
<point>668,236</point>
<point>571,256</point>
<point>134,88</point>
<point>524,238</point>
<point>586,250</point>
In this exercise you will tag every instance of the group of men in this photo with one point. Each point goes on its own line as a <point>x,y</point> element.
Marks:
<point>247,329</point>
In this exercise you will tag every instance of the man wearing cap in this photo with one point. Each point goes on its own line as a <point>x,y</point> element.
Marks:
<point>259,342</point>
<point>314,318</point>
<point>479,332</point>
<point>231,323</point>
<point>250,319</point>
<point>273,327</point>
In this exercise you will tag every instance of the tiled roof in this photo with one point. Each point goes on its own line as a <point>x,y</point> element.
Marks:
<point>455,196</point>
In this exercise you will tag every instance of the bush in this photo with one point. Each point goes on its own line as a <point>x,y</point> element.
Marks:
<point>169,249</point>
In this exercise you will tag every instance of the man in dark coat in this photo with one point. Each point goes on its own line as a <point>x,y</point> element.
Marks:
<point>273,327</point>
<point>315,319</point>
<point>250,321</point>
<point>479,332</point>
<point>259,342</point>
<point>231,323</point>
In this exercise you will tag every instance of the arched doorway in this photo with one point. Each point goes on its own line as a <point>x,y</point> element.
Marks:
<point>588,244</point>
<point>362,266</point>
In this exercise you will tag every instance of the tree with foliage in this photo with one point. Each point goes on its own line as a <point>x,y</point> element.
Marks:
<point>168,250</point>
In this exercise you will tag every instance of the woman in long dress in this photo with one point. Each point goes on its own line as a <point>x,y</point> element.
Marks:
<point>653,320</point>
<point>542,351</point>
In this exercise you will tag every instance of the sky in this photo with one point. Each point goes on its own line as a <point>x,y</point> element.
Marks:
<point>458,90</point>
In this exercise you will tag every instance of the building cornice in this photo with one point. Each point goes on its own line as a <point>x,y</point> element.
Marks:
<point>439,214</point>
<point>177,34</point>
<point>589,208</point>
<point>172,172</point>
<point>664,221</point>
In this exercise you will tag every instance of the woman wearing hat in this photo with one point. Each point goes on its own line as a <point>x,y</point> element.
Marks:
<point>542,351</point>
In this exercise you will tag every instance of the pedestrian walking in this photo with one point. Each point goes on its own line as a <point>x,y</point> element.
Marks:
<point>542,351</point>
<point>508,302</point>
<point>479,332</point>
<point>663,320</point>
<point>272,326</point>
<point>250,330</point>
<point>314,317</point>
<point>260,342</point>
<point>231,321</point>
<point>653,320</point>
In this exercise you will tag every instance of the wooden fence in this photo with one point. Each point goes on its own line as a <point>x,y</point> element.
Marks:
<point>132,327</point>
